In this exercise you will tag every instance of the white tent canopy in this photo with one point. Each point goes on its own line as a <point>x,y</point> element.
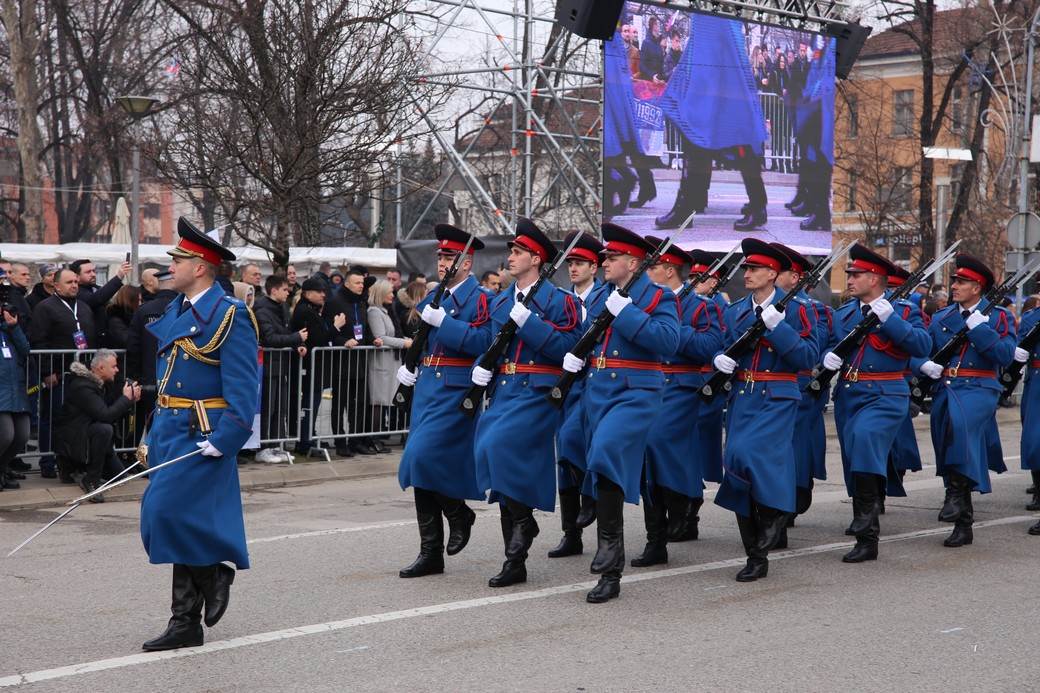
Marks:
<point>305,259</point>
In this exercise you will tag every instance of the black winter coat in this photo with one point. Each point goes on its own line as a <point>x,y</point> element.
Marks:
<point>274,330</point>
<point>84,404</point>
<point>141,345</point>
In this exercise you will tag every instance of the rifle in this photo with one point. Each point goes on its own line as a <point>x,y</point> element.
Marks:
<point>822,377</point>
<point>702,276</point>
<point>724,381</point>
<point>1012,375</point>
<point>921,386</point>
<point>725,280</point>
<point>489,359</point>
<point>599,326</point>
<point>403,396</point>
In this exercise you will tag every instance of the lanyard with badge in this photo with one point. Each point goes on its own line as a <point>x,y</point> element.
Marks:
<point>359,330</point>
<point>5,348</point>
<point>79,337</point>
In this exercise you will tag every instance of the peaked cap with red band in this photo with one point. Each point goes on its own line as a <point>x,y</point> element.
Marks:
<point>530,238</point>
<point>451,240</point>
<point>194,243</point>
<point>865,260</point>
<point>702,261</point>
<point>760,254</point>
<point>974,270</point>
<point>898,277</point>
<point>588,248</point>
<point>675,255</point>
<point>799,263</point>
<point>620,241</point>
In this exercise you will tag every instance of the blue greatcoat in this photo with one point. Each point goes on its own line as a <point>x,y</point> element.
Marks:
<point>872,411</point>
<point>810,436</point>
<point>191,512</point>
<point>709,423</point>
<point>619,405</point>
<point>711,96</point>
<point>570,438</point>
<point>620,136</point>
<point>672,456</point>
<point>513,446</point>
<point>759,458</point>
<point>814,111</point>
<point>964,407</point>
<point>439,453</point>
<point>1030,399</point>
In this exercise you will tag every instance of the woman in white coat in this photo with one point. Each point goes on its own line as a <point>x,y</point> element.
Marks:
<point>383,364</point>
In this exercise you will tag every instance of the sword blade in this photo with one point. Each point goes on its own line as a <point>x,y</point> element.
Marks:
<point>128,479</point>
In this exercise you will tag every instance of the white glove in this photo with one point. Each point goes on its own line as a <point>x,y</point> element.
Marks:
<point>571,363</point>
<point>831,361</point>
<point>932,369</point>
<point>616,302</point>
<point>481,376</point>
<point>772,317</point>
<point>1021,355</point>
<point>881,308</point>
<point>975,319</point>
<point>519,314</point>
<point>406,377</point>
<point>433,316</point>
<point>725,363</point>
<point>208,450</point>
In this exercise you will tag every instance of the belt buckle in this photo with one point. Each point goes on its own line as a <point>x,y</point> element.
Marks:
<point>852,375</point>
<point>510,369</point>
<point>953,371</point>
<point>164,400</point>
<point>749,376</point>
<point>601,362</point>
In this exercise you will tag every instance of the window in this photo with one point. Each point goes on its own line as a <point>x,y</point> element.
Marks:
<point>853,103</point>
<point>957,110</point>
<point>902,187</point>
<point>851,197</point>
<point>903,113</point>
<point>956,173</point>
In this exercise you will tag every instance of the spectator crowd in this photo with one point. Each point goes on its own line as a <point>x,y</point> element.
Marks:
<point>65,388</point>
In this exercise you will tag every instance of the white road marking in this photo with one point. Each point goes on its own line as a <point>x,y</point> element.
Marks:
<point>337,530</point>
<point>389,616</point>
<point>950,630</point>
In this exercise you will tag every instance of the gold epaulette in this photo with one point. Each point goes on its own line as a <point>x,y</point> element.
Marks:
<point>199,353</point>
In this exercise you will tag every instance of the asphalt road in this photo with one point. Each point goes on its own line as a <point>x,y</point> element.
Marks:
<point>323,609</point>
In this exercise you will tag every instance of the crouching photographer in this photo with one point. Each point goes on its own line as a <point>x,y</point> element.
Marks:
<point>87,417</point>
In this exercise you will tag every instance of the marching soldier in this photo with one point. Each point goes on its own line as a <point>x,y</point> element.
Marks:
<point>872,397</point>
<point>522,477</point>
<point>577,507</point>
<point>438,460</point>
<point>965,398</point>
<point>673,484</point>
<point>191,512</point>
<point>759,462</point>
<point>622,394</point>
<point>1030,444</point>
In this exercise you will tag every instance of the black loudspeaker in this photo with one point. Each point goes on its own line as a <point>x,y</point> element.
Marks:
<point>594,19</point>
<point>850,40</point>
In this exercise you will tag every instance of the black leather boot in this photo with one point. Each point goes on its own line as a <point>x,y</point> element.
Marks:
<point>460,522</point>
<point>656,519</point>
<point>570,505</point>
<point>214,582</point>
<point>865,508</point>
<point>692,521</point>
<point>757,565</point>
<point>522,529</point>
<point>678,507</point>
<point>962,534</point>
<point>185,627</point>
<point>647,187</point>
<point>587,514</point>
<point>818,221</point>
<point>781,541</point>
<point>685,204</point>
<point>771,525</point>
<point>953,506</point>
<point>431,537</point>
<point>610,554</point>
<point>755,218</point>
<point>1034,505</point>
<point>1035,530</point>
<point>802,503</point>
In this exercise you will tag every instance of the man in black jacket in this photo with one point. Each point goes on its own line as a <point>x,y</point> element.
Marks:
<point>64,322</point>
<point>98,298</point>
<point>142,346</point>
<point>350,368</point>
<point>85,425</point>
<point>281,366</point>
<point>323,327</point>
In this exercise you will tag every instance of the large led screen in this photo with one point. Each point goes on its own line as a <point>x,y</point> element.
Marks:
<point>730,119</point>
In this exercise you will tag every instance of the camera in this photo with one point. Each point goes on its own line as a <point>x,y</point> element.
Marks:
<point>5,297</point>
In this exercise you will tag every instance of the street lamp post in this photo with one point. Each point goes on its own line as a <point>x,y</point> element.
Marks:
<point>137,107</point>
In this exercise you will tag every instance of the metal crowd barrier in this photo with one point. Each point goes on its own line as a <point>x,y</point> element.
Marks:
<point>297,397</point>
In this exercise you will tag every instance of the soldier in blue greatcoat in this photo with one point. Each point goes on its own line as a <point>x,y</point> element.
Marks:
<point>673,479</point>
<point>966,393</point>
<point>577,508</point>
<point>1030,443</point>
<point>622,395</point>
<point>208,383</point>
<point>438,460</point>
<point>904,456</point>
<point>872,393</point>
<point>759,461</point>
<point>522,477</point>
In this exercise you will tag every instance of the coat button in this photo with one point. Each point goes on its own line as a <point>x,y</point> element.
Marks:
<point>438,374</point>
<point>530,363</point>
<point>192,328</point>
<point>178,385</point>
<point>185,357</point>
<point>615,352</point>
<point>503,382</point>
<point>613,375</point>
<point>175,412</point>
